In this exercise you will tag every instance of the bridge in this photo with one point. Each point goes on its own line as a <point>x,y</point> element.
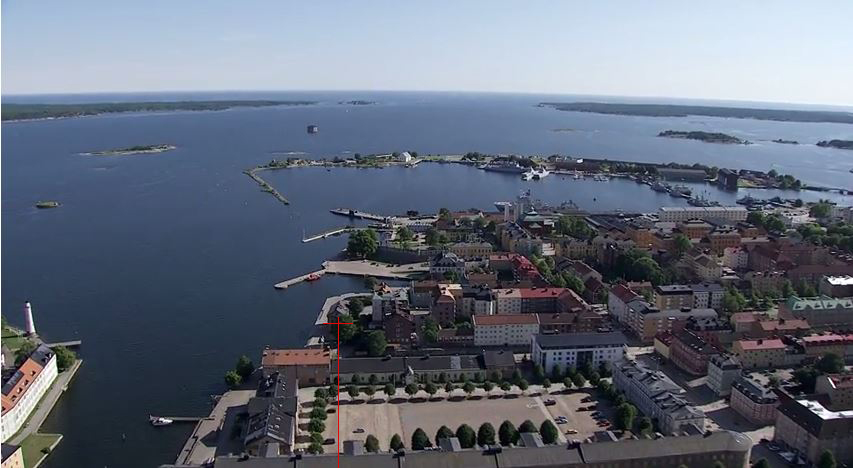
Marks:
<point>329,233</point>
<point>67,344</point>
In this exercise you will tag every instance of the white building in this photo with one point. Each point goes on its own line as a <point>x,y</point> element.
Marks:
<point>25,388</point>
<point>617,301</point>
<point>505,330</point>
<point>405,157</point>
<point>675,214</point>
<point>575,349</point>
<point>723,370</point>
<point>656,396</point>
<point>507,301</point>
<point>736,258</point>
<point>708,296</point>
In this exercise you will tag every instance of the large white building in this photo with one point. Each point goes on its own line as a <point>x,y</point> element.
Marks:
<point>675,214</point>
<point>505,330</point>
<point>657,397</point>
<point>576,349</point>
<point>723,370</point>
<point>25,388</point>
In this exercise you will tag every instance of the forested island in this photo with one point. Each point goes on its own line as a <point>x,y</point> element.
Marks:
<point>146,149</point>
<point>839,144</point>
<point>673,110</point>
<point>707,137</point>
<point>786,142</point>
<point>55,111</point>
<point>357,103</point>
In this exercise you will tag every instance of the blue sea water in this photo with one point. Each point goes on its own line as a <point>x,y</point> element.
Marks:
<point>163,264</point>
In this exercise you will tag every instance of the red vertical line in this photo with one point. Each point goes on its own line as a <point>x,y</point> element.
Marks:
<point>339,393</point>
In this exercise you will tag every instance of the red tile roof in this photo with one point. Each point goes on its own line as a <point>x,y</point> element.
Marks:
<point>295,357</point>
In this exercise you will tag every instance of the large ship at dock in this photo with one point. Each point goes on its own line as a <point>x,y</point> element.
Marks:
<point>504,166</point>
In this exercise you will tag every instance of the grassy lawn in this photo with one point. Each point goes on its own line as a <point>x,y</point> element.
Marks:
<point>33,445</point>
<point>11,338</point>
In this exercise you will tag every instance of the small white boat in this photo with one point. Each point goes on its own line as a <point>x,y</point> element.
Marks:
<point>161,421</point>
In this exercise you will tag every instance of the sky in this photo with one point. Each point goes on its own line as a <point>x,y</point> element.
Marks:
<point>757,50</point>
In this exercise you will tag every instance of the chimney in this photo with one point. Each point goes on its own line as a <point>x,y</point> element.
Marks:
<point>28,319</point>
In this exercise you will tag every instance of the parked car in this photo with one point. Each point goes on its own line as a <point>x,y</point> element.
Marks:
<point>358,430</point>
<point>571,431</point>
<point>549,402</point>
<point>329,441</point>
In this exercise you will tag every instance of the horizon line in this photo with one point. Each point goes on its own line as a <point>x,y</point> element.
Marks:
<point>846,107</point>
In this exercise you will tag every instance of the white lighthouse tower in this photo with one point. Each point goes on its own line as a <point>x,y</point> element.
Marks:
<point>28,319</point>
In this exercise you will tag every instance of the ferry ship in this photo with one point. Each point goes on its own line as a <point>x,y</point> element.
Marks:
<point>504,166</point>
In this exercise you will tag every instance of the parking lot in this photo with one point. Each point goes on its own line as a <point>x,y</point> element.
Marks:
<point>402,416</point>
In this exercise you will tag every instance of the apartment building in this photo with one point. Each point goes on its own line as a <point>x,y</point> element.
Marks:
<point>576,349</point>
<point>505,329</point>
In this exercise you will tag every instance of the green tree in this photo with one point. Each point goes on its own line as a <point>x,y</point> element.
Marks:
<point>486,435</point>
<point>355,307</point>
<point>369,390</point>
<point>527,426</point>
<point>645,426</point>
<point>431,389</point>
<point>319,403</point>
<point>546,384</point>
<point>363,243</point>
<point>763,463</point>
<point>522,385</point>
<point>371,444</point>
<point>315,425</point>
<point>244,367</point>
<point>468,388</point>
<point>317,438</point>
<point>443,432</point>
<point>556,373</point>
<point>389,390</point>
<point>318,413</point>
<point>718,464</point>
<point>448,387</point>
<point>64,357</point>
<point>579,380</point>
<point>444,214</point>
<point>573,282</point>
<point>682,244</point>
<point>508,434</point>
<point>356,379</point>
<point>373,379</point>
<point>352,391</point>
<point>826,460</point>
<point>548,432</point>
<point>516,375</point>
<point>369,282</point>
<point>411,390</point>
<point>625,414</point>
<point>488,386</point>
<point>538,372</point>
<point>568,383</point>
<point>376,343</point>
<point>430,330</point>
<point>506,387</point>
<point>420,440</point>
<point>27,347</point>
<point>321,394</point>
<point>820,210</point>
<point>466,435</point>
<point>830,363</point>
<point>396,443</point>
<point>733,301</point>
<point>233,379</point>
<point>404,235</point>
<point>315,448</point>
<point>349,331</point>
<point>594,378</point>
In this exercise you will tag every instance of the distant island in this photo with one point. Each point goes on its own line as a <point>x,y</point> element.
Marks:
<point>707,137</point>
<point>55,111</point>
<point>357,103</point>
<point>839,144</point>
<point>146,149</point>
<point>672,110</point>
<point>786,142</point>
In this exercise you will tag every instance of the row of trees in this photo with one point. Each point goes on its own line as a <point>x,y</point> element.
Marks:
<point>506,435</point>
<point>317,421</point>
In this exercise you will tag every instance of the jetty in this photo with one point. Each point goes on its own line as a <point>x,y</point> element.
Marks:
<point>287,283</point>
<point>178,419</point>
<point>351,213</point>
<point>67,344</point>
<point>329,233</point>
<point>265,186</point>
<point>362,268</point>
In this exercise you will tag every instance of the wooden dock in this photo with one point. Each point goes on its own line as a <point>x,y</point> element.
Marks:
<point>329,233</point>
<point>67,344</point>
<point>350,213</point>
<point>287,283</point>
<point>183,419</point>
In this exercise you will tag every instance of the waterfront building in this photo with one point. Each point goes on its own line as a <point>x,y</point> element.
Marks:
<point>727,179</point>
<point>273,415</point>
<point>821,312</point>
<point>310,366</point>
<point>723,369</point>
<point>658,397</point>
<point>24,388</point>
<point>755,402</point>
<point>675,214</point>
<point>424,368</point>
<point>13,456</point>
<point>576,349</point>
<point>504,329</point>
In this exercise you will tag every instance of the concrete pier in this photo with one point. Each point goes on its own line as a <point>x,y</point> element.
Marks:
<point>358,214</point>
<point>287,283</point>
<point>329,233</point>
<point>265,186</point>
<point>363,268</point>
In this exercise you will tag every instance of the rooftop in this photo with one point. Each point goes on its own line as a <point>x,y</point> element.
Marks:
<point>755,345</point>
<point>580,340</point>
<point>505,319</point>
<point>295,357</point>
